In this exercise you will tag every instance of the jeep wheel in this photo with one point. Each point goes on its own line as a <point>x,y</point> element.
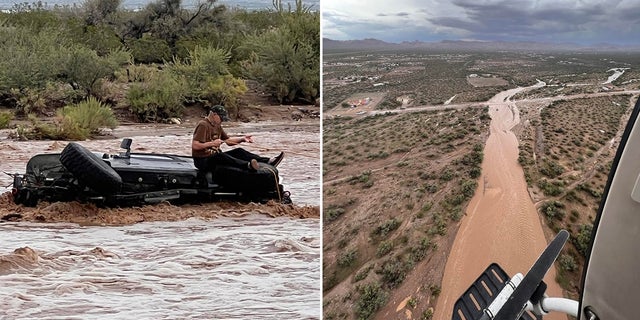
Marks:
<point>90,169</point>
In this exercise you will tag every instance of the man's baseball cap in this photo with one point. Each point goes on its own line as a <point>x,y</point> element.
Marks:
<point>221,111</point>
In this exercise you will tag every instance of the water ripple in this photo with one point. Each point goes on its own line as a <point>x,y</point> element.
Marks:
<point>241,268</point>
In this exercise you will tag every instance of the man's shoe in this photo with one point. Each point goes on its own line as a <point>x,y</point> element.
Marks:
<point>253,165</point>
<point>275,161</point>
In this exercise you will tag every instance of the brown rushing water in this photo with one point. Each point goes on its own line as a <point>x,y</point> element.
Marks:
<point>210,261</point>
<point>501,223</point>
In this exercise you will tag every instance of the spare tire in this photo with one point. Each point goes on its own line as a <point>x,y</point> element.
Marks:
<point>90,169</point>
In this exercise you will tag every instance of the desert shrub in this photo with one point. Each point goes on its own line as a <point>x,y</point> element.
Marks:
<point>567,262</point>
<point>208,77</point>
<point>81,120</point>
<point>468,188</point>
<point>427,314</point>
<point>348,258</point>
<point>372,297</point>
<point>473,158</point>
<point>51,95</point>
<point>475,172</point>
<point>393,272</point>
<point>551,169</point>
<point>447,175</point>
<point>226,90</point>
<point>160,97</point>
<point>553,210</point>
<point>583,239</point>
<point>387,227</point>
<point>588,189</point>
<point>287,59</point>
<point>84,67</point>
<point>419,252</point>
<point>333,213</point>
<point>388,104</point>
<point>31,57</point>
<point>74,122</point>
<point>385,247</point>
<point>439,225</point>
<point>5,119</point>
<point>435,290</point>
<point>362,274</point>
<point>550,188</point>
<point>149,50</point>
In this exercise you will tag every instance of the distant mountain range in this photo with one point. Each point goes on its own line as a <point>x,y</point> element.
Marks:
<point>460,45</point>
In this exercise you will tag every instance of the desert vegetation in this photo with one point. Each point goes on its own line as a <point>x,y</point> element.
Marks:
<point>149,65</point>
<point>395,186</point>
<point>566,151</point>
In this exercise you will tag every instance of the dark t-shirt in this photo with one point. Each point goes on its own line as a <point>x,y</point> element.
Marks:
<point>206,131</point>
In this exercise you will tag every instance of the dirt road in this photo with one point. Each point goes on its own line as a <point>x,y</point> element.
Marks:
<point>501,223</point>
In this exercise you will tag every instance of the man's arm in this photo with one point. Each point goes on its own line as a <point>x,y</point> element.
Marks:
<point>237,140</point>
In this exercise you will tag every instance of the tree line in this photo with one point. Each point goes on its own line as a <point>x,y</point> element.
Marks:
<point>155,61</point>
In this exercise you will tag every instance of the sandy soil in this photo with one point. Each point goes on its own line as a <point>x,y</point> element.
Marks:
<point>501,223</point>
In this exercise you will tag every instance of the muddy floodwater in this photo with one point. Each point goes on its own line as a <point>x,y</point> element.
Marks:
<point>207,261</point>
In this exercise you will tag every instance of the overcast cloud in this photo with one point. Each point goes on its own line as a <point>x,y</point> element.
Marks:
<point>582,22</point>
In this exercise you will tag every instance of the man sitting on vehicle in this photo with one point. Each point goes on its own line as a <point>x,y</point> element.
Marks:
<point>209,136</point>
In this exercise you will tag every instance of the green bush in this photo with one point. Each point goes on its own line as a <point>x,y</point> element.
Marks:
<point>347,259</point>
<point>158,98</point>
<point>149,50</point>
<point>226,90</point>
<point>203,65</point>
<point>551,169</point>
<point>84,67</point>
<point>553,210</point>
<point>51,96</point>
<point>567,262</point>
<point>420,251</point>
<point>372,297</point>
<point>362,274</point>
<point>385,247</point>
<point>387,227</point>
<point>393,272</point>
<point>208,76</point>
<point>30,58</point>
<point>473,159</point>
<point>74,122</point>
<point>468,188</point>
<point>333,213</point>
<point>287,59</point>
<point>551,188</point>
<point>85,118</point>
<point>583,239</point>
<point>5,119</point>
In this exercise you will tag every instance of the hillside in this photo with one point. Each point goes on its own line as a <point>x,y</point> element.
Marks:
<point>395,188</point>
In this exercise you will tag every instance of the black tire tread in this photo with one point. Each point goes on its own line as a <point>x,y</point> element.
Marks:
<point>90,169</point>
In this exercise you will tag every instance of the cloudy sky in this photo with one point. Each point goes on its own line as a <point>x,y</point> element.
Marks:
<point>584,22</point>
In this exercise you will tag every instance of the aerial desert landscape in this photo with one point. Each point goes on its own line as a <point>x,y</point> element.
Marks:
<point>458,160</point>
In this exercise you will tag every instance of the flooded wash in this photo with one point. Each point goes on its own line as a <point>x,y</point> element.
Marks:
<point>238,268</point>
<point>207,261</point>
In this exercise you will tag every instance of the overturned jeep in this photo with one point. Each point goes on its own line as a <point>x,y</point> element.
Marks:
<point>125,179</point>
